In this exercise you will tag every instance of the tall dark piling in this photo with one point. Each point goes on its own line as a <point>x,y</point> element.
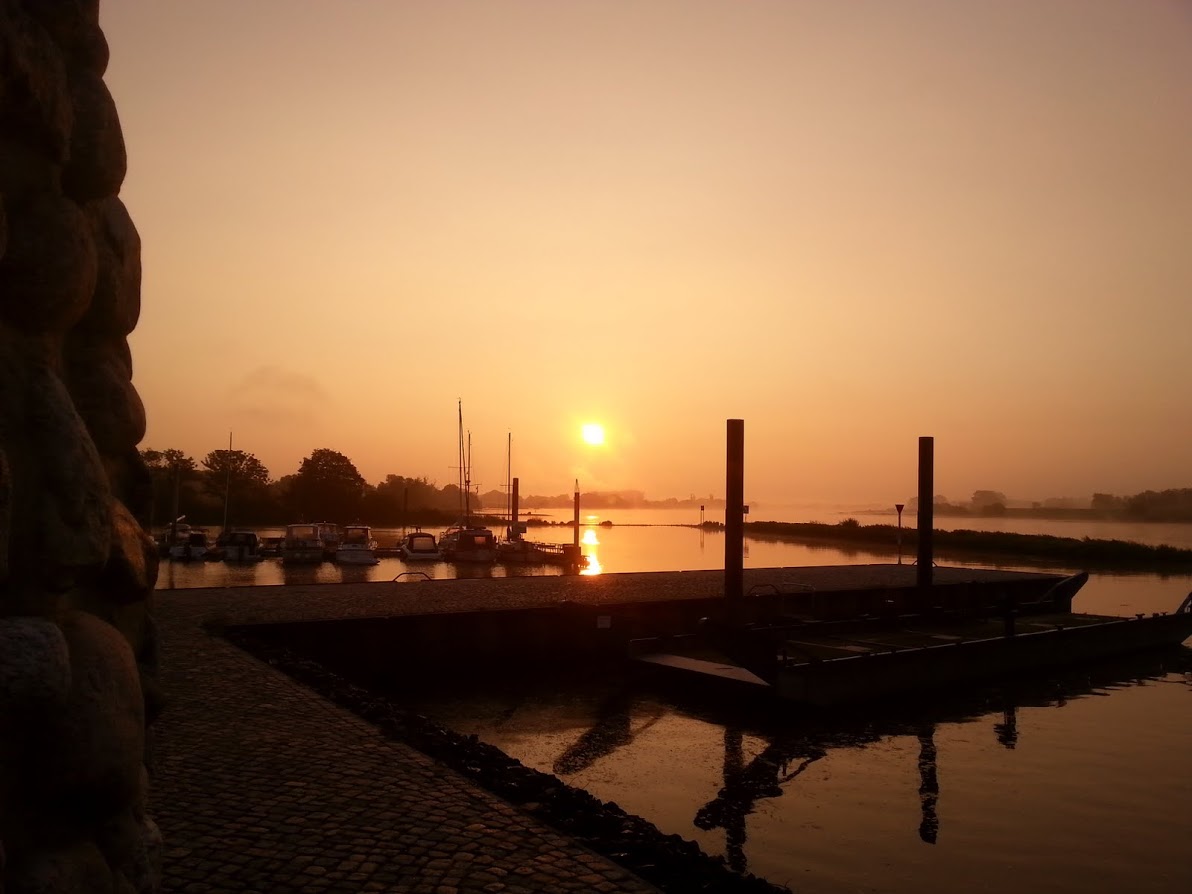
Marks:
<point>734,512</point>
<point>575,541</point>
<point>926,510</point>
<point>513,517</point>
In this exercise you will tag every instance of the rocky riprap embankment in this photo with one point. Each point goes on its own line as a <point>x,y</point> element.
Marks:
<point>77,645</point>
<point>668,861</point>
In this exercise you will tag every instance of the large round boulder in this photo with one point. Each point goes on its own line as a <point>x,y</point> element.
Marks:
<point>92,749</point>
<point>35,102</point>
<point>99,374</point>
<point>34,663</point>
<point>116,303</point>
<point>98,161</point>
<point>48,271</point>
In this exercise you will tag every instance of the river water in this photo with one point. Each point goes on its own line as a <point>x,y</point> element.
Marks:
<point>1079,782</point>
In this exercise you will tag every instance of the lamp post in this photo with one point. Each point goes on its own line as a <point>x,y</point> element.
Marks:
<point>899,507</point>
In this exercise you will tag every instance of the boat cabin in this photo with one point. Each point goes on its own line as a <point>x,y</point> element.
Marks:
<point>303,533</point>
<point>239,546</point>
<point>357,535</point>
<point>302,543</point>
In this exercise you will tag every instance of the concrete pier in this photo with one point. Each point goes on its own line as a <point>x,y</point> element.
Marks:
<point>262,785</point>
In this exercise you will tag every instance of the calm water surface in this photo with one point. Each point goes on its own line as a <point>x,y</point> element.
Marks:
<point>1079,783</point>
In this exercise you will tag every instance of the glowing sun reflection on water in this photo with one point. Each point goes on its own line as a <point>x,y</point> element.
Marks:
<point>589,542</point>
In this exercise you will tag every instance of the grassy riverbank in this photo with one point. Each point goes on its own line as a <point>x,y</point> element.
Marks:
<point>1082,552</point>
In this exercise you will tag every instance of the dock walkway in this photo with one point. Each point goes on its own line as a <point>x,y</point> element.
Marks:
<point>261,785</point>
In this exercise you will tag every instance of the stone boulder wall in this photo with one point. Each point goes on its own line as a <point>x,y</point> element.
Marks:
<point>78,651</point>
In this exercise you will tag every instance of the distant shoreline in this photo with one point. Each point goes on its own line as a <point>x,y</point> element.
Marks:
<point>1087,553</point>
<point>1085,515</point>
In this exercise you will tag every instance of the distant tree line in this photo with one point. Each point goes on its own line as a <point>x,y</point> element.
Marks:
<point>613,499</point>
<point>1173,505</point>
<point>1085,552</point>
<point>234,486</point>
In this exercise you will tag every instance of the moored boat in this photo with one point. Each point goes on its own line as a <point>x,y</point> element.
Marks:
<point>419,546</point>
<point>469,543</point>
<point>515,549</point>
<point>192,546</point>
<point>171,535</point>
<point>330,535</point>
<point>357,546</point>
<point>271,546</point>
<point>530,552</point>
<point>239,546</point>
<point>302,545</point>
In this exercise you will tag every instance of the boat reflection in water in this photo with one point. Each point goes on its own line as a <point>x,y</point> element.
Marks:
<point>829,795</point>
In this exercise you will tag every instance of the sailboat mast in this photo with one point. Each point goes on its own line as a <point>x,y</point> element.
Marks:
<point>462,502</point>
<point>468,484</point>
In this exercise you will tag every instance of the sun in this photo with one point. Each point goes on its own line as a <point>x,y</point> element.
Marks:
<point>593,433</point>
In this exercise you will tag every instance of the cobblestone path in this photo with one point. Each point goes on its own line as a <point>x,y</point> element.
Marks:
<point>260,785</point>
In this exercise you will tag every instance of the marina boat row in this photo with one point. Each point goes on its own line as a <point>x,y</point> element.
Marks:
<point>313,543</point>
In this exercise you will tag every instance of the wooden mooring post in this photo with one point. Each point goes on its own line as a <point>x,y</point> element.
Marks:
<point>923,575</point>
<point>734,516</point>
<point>514,510</point>
<point>575,536</point>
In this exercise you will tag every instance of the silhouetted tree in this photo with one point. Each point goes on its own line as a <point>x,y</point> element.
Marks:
<point>1108,504</point>
<point>243,480</point>
<point>240,467</point>
<point>399,501</point>
<point>167,460</point>
<point>173,475</point>
<point>984,499</point>
<point>327,485</point>
<point>1174,505</point>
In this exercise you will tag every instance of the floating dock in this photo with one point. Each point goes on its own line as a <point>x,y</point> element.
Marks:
<point>307,602</point>
<point>817,634</point>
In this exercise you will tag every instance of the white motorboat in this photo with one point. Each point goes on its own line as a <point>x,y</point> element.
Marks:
<point>357,546</point>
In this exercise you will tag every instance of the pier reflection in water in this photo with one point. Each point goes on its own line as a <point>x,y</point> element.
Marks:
<point>1076,783</point>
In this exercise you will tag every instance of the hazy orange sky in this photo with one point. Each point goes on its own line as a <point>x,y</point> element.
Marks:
<point>848,223</point>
